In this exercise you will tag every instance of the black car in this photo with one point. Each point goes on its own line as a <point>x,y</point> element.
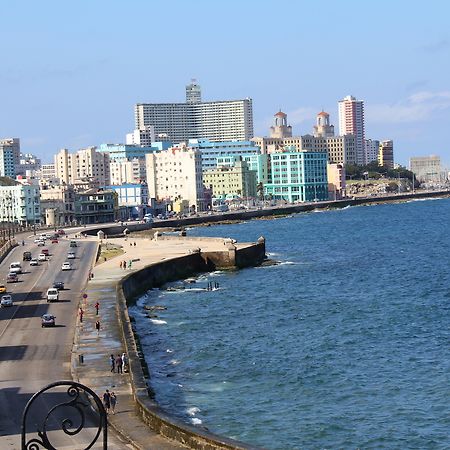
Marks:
<point>27,256</point>
<point>58,285</point>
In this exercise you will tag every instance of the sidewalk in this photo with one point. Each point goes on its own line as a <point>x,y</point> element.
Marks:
<point>96,349</point>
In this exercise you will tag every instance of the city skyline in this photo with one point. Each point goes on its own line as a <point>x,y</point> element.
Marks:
<point>73,83</point>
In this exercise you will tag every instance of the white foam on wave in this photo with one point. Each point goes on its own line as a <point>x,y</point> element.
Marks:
<point>174,362</point>
<point>192,411</point>
<point>196,421</point>
<point>158,322</point>
<point>169,350</point>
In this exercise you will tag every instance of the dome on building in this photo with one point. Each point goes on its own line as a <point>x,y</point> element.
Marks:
<point>280,114</point>
<point>323,113</point>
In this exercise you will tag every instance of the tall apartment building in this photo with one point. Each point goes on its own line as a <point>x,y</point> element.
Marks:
<point>125,172</point>
<point>386,154</point>
<point>371,148</point>
<point>217,121</point>
<point>86,165</point>
<point>9,156</point>
<point>351,121</point>
<point>426,168</point>
<point>176,174</point>
<point>193,92</point>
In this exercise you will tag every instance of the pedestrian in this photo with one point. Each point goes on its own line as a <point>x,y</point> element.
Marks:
<point>113,401</point>
<point>124,264</point>
<point>112,362</point>
<point>81,315</point>
<point>97,305</point>
<point>134,243</point>
<point>107,400</point>
<point>97,327</point>
<point>131,244</point>
<point>121,264</point>
<point>124,362</point>
<point>119,364</point>
<point>129,263</point>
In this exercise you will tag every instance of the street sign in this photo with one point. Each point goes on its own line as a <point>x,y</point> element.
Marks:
<point>84,295</point>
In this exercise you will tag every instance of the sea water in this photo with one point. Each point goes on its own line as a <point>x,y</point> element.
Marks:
<point>344,344</point>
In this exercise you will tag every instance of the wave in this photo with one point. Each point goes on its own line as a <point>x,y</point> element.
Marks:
<point>158,322</point>
<point>196,421</point>
<point>192,411</point>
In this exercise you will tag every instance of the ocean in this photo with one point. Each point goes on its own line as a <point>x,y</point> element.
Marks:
<point>343,344</point>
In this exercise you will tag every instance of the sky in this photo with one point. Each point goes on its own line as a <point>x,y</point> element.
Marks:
<point>71,71</point>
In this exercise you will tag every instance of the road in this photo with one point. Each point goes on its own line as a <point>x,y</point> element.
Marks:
<point>31,356</point>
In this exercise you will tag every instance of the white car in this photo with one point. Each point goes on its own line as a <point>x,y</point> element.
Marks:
<point>41,243</point>
<point>42,257</point>
<point>71,255</point>
<point>6,301</point>
<point>15,267</point>
<point>37,240</point>
<point>34,262</point>
<point>66,266</point>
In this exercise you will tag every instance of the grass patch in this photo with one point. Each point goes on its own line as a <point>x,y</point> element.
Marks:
<point>109,251</point>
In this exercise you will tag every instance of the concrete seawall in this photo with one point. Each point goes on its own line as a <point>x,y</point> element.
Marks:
<point>138,283</point>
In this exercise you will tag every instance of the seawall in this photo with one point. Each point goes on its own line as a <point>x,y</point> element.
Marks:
<point>155,275</point>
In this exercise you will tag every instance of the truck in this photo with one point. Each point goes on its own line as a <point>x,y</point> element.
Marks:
<point>26,256</point>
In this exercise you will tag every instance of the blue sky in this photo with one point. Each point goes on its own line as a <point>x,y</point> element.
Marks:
<point>71,71</point>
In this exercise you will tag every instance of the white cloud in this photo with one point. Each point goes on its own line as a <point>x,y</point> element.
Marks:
<point>300,115</point>
<point>419,106</point>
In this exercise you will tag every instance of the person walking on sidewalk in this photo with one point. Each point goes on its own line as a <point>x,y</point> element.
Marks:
<point>106,400</point>
<point>121,264</point>
<point>130,262</point>
<point>81,315</point>
<point>113,400</point>
<point>124,362</point>
<point>112,362</point>
<point>97,327</point>
<point>124,264</point>
<point>119,364</point>
<point>97,305</point>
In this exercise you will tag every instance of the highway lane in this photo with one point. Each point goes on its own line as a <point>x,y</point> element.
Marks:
<point>30,356</point>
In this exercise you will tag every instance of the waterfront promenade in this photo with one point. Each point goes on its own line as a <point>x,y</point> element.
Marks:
<point>96,349</point>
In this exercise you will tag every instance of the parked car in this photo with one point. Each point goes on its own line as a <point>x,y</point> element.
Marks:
<point>26,256</point>
<point>12,278</point>
<point>34,262</point>
<point>58,285</point>
<point>71,255</point>
<point>48,320</point>
<point>52,295</point>
<point>6,301</point>
<point>2,288</point>
<point>42,257</point>
<point>66,266</point>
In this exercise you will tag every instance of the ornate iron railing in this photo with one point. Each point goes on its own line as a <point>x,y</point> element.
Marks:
<point>80,401</point>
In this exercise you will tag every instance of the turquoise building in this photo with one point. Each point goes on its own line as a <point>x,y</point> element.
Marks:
<point>126,152</point>
<point>256,163</point>
<point>210,151</point>
<point>298,177</point>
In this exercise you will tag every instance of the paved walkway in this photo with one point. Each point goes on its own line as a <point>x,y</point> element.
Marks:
<point>96,348</point>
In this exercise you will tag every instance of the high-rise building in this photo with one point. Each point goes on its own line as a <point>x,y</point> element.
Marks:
<point>126,172</point>
<point>323,129</point>
<point>86,165</point>
<point>217,121</point>
<point>193,92</point>
<point>371,148</point>
<point>386,154</point>
<point>426,168</point>
<point>280,128</point>
<point>351,121</point>
<point>176,175</point>
<point>9,156</point>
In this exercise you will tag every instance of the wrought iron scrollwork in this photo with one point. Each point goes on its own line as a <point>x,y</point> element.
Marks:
<point>81,401</point>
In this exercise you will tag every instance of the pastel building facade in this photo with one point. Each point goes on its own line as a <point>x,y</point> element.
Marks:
<point>176,175</point>
<point>386,154</point>
<point>212,151</point>
<point>20,204</point>
<point>351,121</point>
<point>336,181</point>
<point>133,198</point>
<point>232,177</point>
<point>298,177</point>
<point>371,149</point>
<point>85,164</point>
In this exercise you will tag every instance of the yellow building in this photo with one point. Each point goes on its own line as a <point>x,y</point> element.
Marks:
<point>227,179</point>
